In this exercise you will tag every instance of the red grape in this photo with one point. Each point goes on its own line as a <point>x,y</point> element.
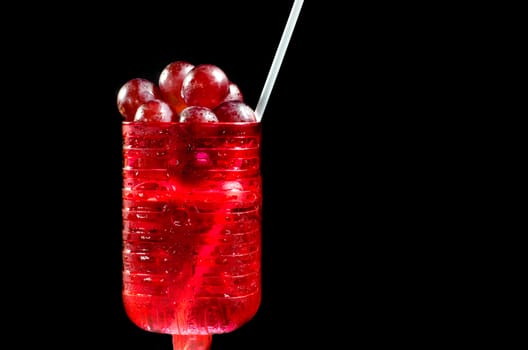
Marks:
<point>235,111</point>
<point>234,93</point>
<point>170,82</point>
<point>205,85</point>
<point>154,111</point>
<point>198,114</point>
<point>133,94</point>
<point>184,93</point>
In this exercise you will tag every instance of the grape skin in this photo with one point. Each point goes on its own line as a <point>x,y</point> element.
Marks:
<point>235,111</point>
<point>200,114</point>
<point>133,94</point>
<point>154,111</point>
<point>205,85</point>
<point>234,93</point>
<point>170,82</point>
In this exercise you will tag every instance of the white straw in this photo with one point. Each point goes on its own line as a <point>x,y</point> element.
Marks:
<point>277,60</point>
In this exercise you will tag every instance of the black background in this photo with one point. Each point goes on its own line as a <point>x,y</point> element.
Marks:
<point>347,179</point>
<point>74,62</point>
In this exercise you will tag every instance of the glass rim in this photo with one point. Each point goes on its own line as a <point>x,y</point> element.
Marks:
<point>206,124</point>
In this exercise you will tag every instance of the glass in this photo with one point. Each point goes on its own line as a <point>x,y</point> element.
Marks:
<point>192,205</point>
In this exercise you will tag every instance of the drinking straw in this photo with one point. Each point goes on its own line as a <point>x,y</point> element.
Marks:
<point>277,60</point>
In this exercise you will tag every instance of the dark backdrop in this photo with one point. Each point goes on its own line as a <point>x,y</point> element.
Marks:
<point>241,38</point>
<point>345,172</point>
<point>74,64</point>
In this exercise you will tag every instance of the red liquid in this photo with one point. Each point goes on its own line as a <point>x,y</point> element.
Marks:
<point>192,201</point>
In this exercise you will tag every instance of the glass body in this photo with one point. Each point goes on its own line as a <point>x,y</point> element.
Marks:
<point>192,202</point>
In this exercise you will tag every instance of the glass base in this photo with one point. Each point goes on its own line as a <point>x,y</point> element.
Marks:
<point>191,342</point>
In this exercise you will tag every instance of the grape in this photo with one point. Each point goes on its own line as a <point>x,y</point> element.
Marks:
<point>170,82</point>
<point>205,85</point>
<point>235,111</point>
<point>234,93</point>
<point>184,93</point>
<point>154,111</point>
<point>133,94</point>
<point>198,114</point>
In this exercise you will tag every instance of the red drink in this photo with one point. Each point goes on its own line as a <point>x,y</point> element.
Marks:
<point>192,201</point>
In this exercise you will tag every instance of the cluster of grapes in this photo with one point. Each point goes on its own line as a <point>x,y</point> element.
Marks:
<point>184,93</point>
